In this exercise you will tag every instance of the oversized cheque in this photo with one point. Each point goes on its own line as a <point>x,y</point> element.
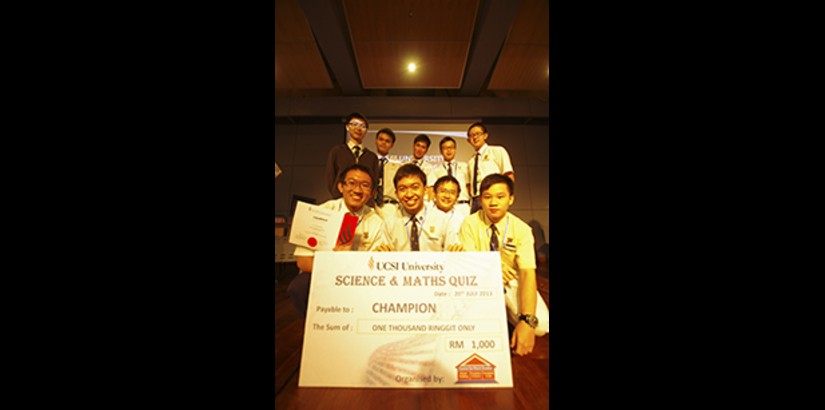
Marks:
<point>406,320</point>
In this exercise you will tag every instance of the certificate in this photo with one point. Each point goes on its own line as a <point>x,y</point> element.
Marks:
<point>406,320</point>
<point>318,228</point>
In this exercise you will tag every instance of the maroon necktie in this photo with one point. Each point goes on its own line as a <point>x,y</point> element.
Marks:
<point>414,234</point>
<point>379,193</point>
<point>357,151</point>
<point>493,238</point>
<point>475,175</point>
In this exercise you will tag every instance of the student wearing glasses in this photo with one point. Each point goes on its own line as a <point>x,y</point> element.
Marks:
<point>355,184</point>
<point>488,159</point>
<point>352,152</point>
<point>454,168</point>
<point>447,192</point>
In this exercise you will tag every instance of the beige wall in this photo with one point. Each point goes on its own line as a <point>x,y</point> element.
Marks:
<point>301,151</point>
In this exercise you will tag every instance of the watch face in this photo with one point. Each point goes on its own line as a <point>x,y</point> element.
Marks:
<point>530,320</point>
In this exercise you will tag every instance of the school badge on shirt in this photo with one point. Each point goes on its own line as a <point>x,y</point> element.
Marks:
<point>509,245</point>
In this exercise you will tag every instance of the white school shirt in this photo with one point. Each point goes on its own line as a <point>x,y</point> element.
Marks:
<point>460,172</point>
<point>433,226</point>
<point>494,160</point>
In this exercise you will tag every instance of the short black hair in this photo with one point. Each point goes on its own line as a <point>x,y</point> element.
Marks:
<point>359,116</point>
<point>444,179</point>
<point>407,170</point>
<point>476,124</point>
<point>386,131</point>
<point>445,139</point>
<point>422,137</point>
<point>359,167</point>
<point>493,179</point>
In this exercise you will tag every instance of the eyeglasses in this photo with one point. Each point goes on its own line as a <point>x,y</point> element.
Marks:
<point>477,135</point>
<point>351,184</point>
<point>448,191</point>
<point>358,125</point>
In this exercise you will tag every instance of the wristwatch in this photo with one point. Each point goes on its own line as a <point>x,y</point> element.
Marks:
<point>531,320</point>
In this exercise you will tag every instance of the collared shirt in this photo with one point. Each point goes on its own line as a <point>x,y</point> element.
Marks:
<point>460,172</point>
<point>390,167</point>
<point>369,234</point>
<point>433,226</point>
<point>515,241</point>
<point>341,156</point>
<point>351,144</point>
<point>386,161</point>
<point>454,217</point>
<point>421,163</point>
<point>494,160</point>
<point>380,183</point>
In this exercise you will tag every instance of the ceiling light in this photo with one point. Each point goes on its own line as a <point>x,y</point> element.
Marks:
<point>411,67</point>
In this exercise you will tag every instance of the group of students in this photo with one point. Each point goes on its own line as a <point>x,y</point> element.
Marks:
<point>451,207</point>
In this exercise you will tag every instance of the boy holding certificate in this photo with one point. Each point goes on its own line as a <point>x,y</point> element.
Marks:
<point>355,184</point>
<point>493,228</point>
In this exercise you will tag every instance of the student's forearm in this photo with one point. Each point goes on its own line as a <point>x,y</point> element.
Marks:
<point>527,291</point>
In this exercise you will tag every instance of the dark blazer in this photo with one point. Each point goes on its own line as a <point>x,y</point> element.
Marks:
<point>341,157</point>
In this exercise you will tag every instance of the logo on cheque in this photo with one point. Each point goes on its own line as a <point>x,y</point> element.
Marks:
<point>401,265</point>
<point>475,369</point>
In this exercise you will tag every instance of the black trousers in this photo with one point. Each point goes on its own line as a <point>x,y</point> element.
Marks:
<point>298,291</point>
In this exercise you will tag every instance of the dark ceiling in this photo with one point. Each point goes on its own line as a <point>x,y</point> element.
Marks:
<point>472,48</point>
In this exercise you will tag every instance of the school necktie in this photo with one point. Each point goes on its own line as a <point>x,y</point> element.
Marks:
<point>379,193</point>
<point>356,150</point>
<point>414,234</point>
<point>475,175</point>
<point>493,238</point>
<point>449,169</point>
